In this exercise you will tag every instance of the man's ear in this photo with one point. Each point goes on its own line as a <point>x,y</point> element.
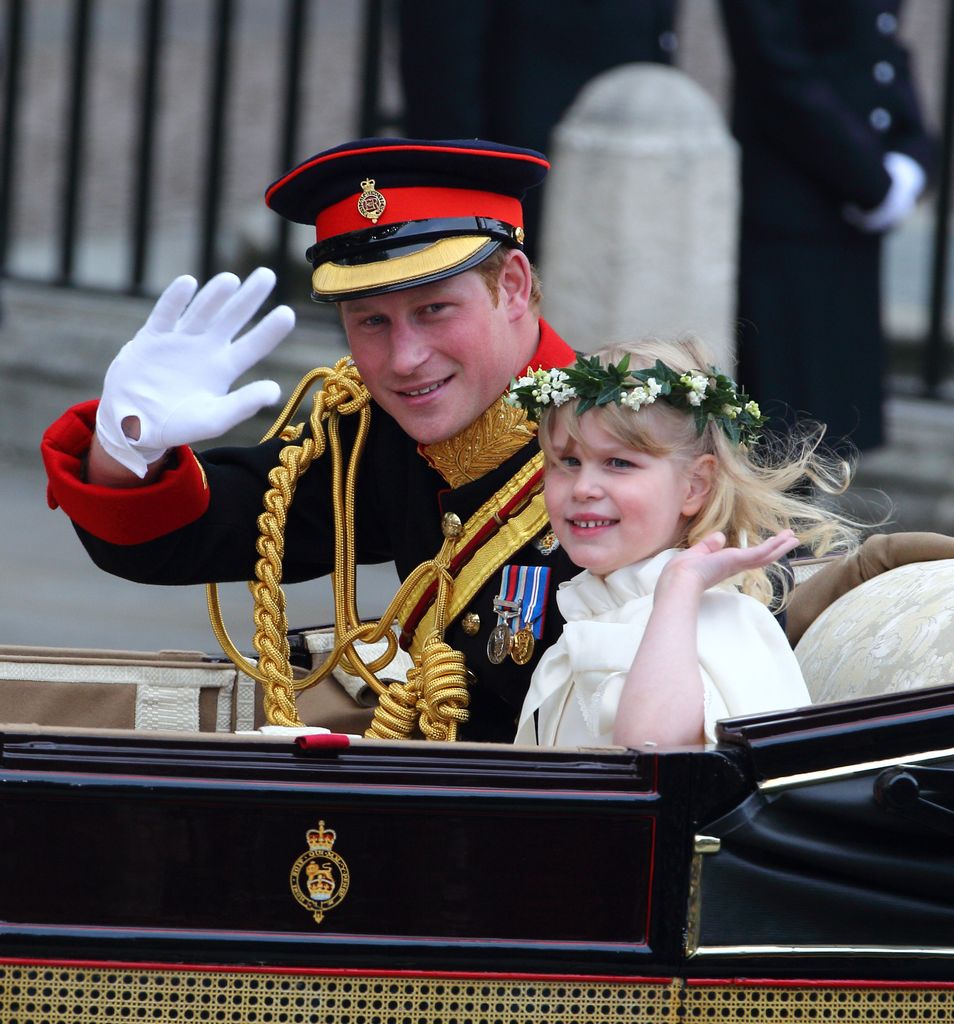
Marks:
<point>514,284</point>
<point>701,475</point>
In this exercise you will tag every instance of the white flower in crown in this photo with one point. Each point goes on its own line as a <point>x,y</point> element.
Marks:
<point>642,394</point>
<point>696,386</point>
<point>541,393</point>
<point>522,384</point>
<point>713,397</point>
<point>560,390</point>
<point>541,388</point>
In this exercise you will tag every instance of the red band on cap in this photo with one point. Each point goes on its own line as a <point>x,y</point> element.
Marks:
<point>404,204</point>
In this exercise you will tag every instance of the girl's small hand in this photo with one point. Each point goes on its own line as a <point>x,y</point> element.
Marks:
<point>710,562</point>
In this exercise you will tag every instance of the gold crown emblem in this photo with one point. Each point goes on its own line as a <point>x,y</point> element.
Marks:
<point>321,839</point>
<point>371,203</point>
<point>320,881</point>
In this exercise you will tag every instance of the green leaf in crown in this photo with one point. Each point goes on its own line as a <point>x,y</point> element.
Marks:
<point>710,396</point>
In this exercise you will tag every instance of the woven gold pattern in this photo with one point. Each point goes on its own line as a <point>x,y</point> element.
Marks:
<point>82,995</point>
<point>90,995</point>
<point>824,1002</point>
<point>486,444</point>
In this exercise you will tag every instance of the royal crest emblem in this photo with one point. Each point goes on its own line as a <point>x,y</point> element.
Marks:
<point>546,543</point>
<point>320,878</point>
<point>371,203</point>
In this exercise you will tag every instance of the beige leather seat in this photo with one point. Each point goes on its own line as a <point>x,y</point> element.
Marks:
<point>889,633</point>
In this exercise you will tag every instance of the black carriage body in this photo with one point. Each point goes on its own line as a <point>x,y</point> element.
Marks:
<point>803,865</point>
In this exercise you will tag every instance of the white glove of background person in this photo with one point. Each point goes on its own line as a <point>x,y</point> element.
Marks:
<point>907,183</point>
<point>174,376</point>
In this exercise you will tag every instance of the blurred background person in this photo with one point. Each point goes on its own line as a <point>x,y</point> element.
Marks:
<point>506,70</point>
<point>835,153</point>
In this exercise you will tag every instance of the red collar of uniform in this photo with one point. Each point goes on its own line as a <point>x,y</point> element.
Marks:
<point>551,352</point>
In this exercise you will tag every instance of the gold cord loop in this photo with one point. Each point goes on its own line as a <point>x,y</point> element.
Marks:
<point>435,696</point>
<point>343,393</point>
<point>442,680</point>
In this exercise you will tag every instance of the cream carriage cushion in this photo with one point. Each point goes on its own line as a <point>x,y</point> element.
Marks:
<point>891,633</point>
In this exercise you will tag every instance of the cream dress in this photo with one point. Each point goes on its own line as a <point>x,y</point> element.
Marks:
<point>747,664</point>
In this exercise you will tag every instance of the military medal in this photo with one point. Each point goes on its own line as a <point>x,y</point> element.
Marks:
<point>498,646</point>
<point>521,645</point>
<point>523,599</point>
<point>501,636</point>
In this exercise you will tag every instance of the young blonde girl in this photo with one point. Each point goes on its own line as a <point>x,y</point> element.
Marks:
<point>659,487</point>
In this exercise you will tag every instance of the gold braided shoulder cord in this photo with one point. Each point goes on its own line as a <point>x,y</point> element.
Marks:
<point>435,695</point>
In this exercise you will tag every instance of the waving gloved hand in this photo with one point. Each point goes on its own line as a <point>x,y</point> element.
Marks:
<point>174,376</point>
<point>907,184</point>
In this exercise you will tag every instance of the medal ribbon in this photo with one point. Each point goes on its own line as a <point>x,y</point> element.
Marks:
<point>535,602</point>
<point>523,586</point>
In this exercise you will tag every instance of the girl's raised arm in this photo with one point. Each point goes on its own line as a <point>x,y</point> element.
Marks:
<point>662,700</point>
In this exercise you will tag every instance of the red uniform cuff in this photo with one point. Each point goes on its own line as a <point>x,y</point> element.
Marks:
<point>118,515</point>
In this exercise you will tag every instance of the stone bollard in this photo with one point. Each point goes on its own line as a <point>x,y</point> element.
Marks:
<point>640,214</point>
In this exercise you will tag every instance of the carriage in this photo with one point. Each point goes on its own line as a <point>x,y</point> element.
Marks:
<point>800,869</point>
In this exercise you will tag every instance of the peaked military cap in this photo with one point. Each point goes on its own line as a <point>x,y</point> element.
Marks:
<point>396,213</point>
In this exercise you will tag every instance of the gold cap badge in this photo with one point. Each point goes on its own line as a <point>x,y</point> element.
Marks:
<point>371,203</point>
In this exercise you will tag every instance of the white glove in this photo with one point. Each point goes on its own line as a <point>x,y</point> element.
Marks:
<point>174,376</point>
<point>907,183</point>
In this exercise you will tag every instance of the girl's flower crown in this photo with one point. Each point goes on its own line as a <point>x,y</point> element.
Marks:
<point>710,397</point>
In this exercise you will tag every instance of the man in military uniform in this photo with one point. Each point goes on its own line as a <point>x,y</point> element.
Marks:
<point>420,245</point>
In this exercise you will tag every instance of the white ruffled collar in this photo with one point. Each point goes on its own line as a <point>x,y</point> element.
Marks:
<point>585,595</point>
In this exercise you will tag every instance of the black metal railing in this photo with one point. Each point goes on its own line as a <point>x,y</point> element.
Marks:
<point>70,176</point>
<point>12,64</point>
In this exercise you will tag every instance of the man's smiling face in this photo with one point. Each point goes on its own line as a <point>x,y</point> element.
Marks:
<point>437,356</point>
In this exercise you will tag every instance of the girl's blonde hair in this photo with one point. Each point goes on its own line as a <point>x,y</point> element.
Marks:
<point>776,484</point>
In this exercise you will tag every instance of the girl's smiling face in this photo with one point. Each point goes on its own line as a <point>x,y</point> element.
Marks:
<point>611,505</point>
